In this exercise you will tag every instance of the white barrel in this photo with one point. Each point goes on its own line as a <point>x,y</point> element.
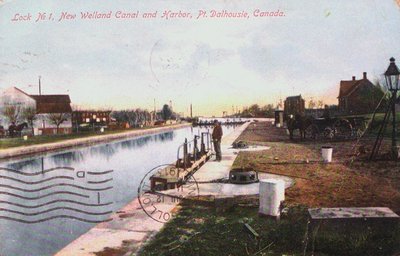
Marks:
<point>272,193</point>
<point>326,152</point>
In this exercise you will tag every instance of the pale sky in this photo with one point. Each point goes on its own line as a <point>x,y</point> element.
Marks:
<point>214,63</point>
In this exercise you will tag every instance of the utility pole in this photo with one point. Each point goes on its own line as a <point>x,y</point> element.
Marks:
<point>40,86</point>
<point>191,110</point>
<point>154,106</point>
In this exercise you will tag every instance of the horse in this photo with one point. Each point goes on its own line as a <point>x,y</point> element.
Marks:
<point>299,122</point>
<point>14,130</point>
<point>2,131</point>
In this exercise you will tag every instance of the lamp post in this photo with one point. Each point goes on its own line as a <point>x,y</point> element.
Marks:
<point>392,82</point>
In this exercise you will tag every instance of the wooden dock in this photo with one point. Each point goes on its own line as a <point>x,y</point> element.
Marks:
<point>171,176</point>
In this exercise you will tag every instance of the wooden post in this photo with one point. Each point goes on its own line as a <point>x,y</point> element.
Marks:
<point>395,152</point>
<point>202,146</point>
<point>185,154</point>
<point>195,148</point>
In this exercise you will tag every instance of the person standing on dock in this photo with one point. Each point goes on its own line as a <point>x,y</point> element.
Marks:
<point>216,136</point>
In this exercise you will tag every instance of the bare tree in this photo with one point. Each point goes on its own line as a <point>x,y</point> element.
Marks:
<point>320,104</point>
<point>11,112</point>
<point>280,104</point>
<point>311,104</point>
<point>58,118</point>
<point>29,114</point>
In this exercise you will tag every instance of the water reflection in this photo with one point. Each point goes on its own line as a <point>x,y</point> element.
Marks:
<point>65,159</point>
<point>130,160</point>
<point>21,165</point>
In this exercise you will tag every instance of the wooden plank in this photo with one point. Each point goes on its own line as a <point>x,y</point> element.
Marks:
<point>251,230</point>
<point>351,213</point>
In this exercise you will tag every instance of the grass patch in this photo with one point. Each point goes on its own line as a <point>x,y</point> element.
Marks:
<point>200,230</point>
<point>340,184</point>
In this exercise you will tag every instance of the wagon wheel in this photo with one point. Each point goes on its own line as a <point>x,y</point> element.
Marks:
<point>312,132</point>
<point>361,128</point>
<point>343,128</point>
<point>329,133</point>
<point>360,132</point>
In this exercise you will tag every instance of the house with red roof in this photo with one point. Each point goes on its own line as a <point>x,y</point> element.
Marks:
<point>358,96</point>
<point>52,112</point>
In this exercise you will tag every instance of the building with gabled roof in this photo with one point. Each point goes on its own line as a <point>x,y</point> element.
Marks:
<point>52,103</point>
<point>46,106</point>
<point>294,105</point>
<point>358,96</point>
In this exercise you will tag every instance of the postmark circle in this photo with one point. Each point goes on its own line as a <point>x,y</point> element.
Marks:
<point>150,191</point>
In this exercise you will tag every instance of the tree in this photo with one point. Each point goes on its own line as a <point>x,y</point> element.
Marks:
<point>135,117</point>
<point>166,112</point>
<point>29,114</point>
<point>267,110</point>
<point>280,104</point>
<point>118,115</point>
<point>147,116</point>
<point>311,104</point>
<point>320,104</point>
<point>58,118</point>
<point>254,109</point>
<point>11,112</point>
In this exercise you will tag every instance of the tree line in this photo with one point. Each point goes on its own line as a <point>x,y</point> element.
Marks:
<point>256,111</point>
<point>138,117</point>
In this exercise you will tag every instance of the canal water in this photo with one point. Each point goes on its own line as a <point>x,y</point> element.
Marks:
<point>49,200</point>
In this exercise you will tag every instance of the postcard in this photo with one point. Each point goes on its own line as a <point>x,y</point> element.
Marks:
<point>190,127</point>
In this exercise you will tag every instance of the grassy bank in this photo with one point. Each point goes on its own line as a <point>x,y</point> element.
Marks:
<point>349,181</point>
<point>378,119</point>
<point>200,230</point>
<point>35,140</point>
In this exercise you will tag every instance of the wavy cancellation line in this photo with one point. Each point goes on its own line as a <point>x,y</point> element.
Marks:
<point>36,182</point>
<point>53,217</point>
<point>45,214</point>
<point>54,202</point>
<point>100,173</point>
<point>53,186</point>
<point>36,173</point>
<point>54,209</point>
<point>100,182</point>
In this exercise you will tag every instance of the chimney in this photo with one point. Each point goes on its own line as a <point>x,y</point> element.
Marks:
<point>354,78</point>
<point>364,75</point>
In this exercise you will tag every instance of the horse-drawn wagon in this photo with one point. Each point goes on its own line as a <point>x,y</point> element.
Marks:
<point>13,130</point>
<point>328,128</point>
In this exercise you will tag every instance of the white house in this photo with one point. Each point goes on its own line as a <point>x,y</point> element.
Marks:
<point>47,107</point>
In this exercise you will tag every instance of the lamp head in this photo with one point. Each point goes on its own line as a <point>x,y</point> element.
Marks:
<point>392,76</point>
